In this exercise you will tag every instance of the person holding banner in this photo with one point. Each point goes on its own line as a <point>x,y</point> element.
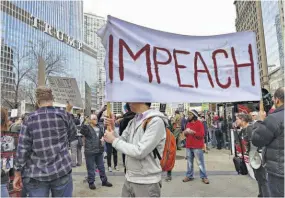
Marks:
<point>123,123</point>
<point>269,133</point>
<point>143,170</point>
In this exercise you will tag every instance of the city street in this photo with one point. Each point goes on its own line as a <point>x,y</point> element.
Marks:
<point>224,181</point>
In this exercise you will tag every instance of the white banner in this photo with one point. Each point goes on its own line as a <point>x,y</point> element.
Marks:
<point>65,89</point>
<point>146,65</point>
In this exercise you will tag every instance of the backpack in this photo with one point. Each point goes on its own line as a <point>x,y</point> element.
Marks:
<point>167,161</point>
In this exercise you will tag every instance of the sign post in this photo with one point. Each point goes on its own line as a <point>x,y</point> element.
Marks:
<point>162,107</point>
<point>41,72</point>
<point>88,101</point>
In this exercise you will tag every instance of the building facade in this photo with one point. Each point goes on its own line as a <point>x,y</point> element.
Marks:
<point>7,74</point>
<point>92,23</point>
<point>117,107</point>
<point>273,23</point>
<point>249,17</point>
<point>52,30</point>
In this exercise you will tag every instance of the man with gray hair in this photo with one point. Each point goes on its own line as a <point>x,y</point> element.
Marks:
<point>93,151</point>
<point>269,133</point>
<point>43,163</point>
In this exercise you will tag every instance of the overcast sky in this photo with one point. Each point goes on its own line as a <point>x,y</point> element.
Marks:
<point>189,17</point>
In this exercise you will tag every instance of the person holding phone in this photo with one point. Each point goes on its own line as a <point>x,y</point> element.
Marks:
<point>194,133</point>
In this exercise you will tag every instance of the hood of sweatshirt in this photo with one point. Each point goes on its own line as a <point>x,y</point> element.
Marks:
<point>154,113</point>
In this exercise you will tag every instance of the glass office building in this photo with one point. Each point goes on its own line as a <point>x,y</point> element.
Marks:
<point>273,23</point>
<point>271,17</point>
<point>52,29</point>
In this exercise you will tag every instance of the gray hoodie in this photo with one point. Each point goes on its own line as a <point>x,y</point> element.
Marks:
<point>138,145</point>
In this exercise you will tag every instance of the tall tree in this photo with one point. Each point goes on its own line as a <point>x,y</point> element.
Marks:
<point>25,69</point>
<point>20,68</point>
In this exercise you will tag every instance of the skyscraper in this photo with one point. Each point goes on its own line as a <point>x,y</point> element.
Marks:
<point>273,23</point>
<point>249,17</point>
<point>92,23</point>
<point>52,29</point>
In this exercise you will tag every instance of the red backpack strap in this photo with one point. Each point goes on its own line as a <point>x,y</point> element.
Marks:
<point>146,122</point>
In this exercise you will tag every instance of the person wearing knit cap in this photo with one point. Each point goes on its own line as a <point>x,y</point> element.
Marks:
<point>194,133</point>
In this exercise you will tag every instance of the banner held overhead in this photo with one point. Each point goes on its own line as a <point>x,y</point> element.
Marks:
<point>154,66</point>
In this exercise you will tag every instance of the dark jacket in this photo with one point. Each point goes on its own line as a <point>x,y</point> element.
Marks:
<point>124,122</point>
<point>183,123</point>
<point>270,134</point>
<point>93,143</point>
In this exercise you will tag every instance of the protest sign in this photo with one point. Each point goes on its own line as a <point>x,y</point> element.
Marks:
<point>87,111</point>
<point>14,113</point>
<point>65,89</point>
<point>146,65</point>
<point>181,107</point>
<point>23,107</point>
<point>205,106</point>
<point>162,108</point>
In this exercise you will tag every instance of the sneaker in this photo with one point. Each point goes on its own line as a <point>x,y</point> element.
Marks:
<point>117,168</point>
<point>92,186</point>
<point>205,180</point>
<point>107,184</point>
<point>110,169</point>
<point>78,164</point>
<point>168,178</point>
<point>187,179</point>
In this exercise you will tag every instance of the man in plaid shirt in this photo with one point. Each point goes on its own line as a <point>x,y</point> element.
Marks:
<point>43,163</point>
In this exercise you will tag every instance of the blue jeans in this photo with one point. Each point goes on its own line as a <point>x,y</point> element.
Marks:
<point>4,190</point>
<point>61,187</point>
<point>91,160</point>
<point>199,155</point>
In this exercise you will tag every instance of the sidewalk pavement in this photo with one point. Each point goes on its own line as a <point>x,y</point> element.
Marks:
<point>224,181</point>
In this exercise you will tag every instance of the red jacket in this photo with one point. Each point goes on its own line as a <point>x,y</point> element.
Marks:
<point>195,141</point>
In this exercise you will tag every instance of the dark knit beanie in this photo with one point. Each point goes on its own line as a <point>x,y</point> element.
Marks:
<point>148,104</point>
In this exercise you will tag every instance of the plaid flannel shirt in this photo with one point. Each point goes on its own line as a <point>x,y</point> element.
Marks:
<point>42,151</point>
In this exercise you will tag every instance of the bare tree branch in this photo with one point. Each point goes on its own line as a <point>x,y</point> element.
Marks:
<point>25,69</point>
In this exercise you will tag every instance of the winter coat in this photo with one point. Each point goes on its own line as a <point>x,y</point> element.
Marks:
<point>270,134</point>
<point>125,121</point>
<point>93,143</point>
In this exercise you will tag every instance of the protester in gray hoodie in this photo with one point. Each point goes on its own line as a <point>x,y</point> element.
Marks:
<point>143,170</point>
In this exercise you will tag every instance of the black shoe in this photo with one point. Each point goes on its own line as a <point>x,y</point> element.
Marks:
<point>92,186</point>
<point>168,179</point>
<point>78,164</point>
<point>107,184</point>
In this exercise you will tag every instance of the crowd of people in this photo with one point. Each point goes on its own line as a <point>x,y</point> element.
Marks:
<point>51,142</point>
